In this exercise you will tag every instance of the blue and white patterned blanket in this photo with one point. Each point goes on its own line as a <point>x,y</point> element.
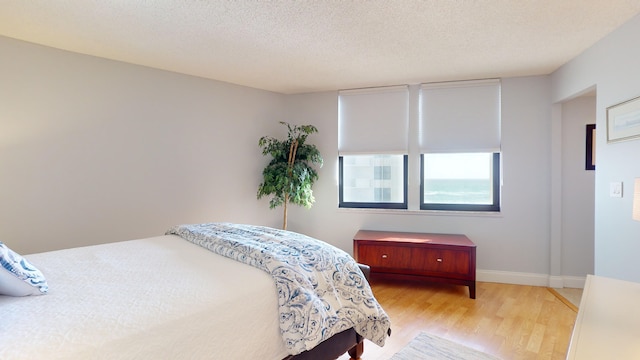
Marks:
<point>321,290</point>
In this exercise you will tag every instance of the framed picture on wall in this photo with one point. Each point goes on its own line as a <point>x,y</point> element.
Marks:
<point>590,158</point>
<point>623,121</point>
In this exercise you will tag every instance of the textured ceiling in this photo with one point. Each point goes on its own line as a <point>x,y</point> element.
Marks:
<point>297,46</point>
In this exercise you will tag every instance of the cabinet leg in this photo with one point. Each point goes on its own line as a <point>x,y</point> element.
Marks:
<point>472,291</point>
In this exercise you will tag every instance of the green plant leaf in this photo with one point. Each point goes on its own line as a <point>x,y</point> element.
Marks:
<point>279,178</point>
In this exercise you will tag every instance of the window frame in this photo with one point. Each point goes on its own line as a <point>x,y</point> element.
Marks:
<point>494,207</point>
<point>373,205</point>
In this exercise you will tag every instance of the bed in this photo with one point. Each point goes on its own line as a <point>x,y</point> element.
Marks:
<point>171,297</point>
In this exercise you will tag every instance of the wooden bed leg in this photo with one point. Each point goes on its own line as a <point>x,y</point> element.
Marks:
<point>356,351</point>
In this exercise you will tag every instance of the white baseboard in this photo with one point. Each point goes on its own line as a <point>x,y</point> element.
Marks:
<point>574,281</point>
<point>556,282</point>
<point>507,277</point>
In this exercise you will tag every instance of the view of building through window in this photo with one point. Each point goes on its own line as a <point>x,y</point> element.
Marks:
<point>373,178</point>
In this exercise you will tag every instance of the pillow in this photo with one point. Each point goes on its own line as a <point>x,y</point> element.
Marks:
<point>18,277</point>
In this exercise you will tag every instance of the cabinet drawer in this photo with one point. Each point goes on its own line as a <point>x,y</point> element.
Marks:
<point>387,257</point>
<point>440,261</point>
<point>415,259</point>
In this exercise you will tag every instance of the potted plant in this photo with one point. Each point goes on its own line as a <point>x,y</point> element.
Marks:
<point>290,174</point>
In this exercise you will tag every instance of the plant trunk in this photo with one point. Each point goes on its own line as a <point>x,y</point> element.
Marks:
<point>284,222</point>
<point>290,161</point>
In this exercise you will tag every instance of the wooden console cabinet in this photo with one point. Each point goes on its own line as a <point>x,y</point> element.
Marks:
<point>433,257</point>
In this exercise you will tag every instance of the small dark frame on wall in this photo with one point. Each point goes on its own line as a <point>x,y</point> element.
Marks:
<point>590,158</point>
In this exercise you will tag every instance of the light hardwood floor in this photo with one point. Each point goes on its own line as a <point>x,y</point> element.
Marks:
<point>508,321</point>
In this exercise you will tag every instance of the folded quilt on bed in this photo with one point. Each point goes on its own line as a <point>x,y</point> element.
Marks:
<point>321,290</point>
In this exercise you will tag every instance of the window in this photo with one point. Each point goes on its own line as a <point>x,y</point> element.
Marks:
<point>460,181</point>
<point>446,134</point>
<point>373,181</point>
<point>372,147</point>
<point>460,146</point>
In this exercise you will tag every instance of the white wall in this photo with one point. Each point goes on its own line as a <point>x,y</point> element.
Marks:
<point>612,66</point>
<point>578,184</point>
<point>94,151</point>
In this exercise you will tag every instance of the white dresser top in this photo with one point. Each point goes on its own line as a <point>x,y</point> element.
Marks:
<point>608,322</point>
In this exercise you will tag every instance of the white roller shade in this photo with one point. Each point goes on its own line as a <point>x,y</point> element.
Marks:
<point>374,121</point>
<point>462,116</point>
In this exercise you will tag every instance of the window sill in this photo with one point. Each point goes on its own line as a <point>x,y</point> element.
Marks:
<point>493,214</point>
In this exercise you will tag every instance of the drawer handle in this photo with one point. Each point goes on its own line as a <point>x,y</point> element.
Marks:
<point>384,256</point>
<point>439,259</point>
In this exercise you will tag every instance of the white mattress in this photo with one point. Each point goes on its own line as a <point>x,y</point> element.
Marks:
<point>155,298</point>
